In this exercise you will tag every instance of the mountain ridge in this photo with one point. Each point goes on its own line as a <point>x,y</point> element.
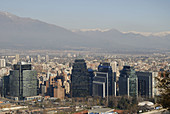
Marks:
<point>26,33</point>
<point>160,34</point>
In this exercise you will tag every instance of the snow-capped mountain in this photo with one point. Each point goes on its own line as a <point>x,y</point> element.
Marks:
<point>19,32</point>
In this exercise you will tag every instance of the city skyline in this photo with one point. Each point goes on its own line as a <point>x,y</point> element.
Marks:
<point>38,82</point>
<point>90,56</point>
<point>139,16</point>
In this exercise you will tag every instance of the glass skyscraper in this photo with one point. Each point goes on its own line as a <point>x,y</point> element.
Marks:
<point>23,81</point>
<point>128,82</point>
<point>106,68</point>
<point>146,84</point>
<point>80,79</point>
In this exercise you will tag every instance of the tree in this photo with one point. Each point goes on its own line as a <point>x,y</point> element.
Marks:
<point>123,103</point>
<point>128,103</point>
<point>113,102</point>
<point>164,87</point>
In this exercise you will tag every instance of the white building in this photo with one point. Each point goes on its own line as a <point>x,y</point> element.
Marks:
<point>2,63</point>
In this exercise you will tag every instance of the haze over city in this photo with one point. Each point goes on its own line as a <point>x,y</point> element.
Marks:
<point>84,57</point>
<point>129,15</point>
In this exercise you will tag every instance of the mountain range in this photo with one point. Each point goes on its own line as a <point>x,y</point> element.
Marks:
<point>26,33</point>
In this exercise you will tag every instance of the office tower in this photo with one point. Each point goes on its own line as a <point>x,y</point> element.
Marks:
<point>128,82</point>
<point>2,63</point>
<point>17,58</point>
<point>106,68</point>
<point>100,84</point>
<point>1,86</point>
<point>115,70</point>
<point>91,75</point>
<point>145,84</point>
<point>80,79</point>
<point>23,81</point>
<point>5,87</point>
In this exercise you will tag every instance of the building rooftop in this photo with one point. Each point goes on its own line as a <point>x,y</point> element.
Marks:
<point>23,63</point>
<point>101,110</point>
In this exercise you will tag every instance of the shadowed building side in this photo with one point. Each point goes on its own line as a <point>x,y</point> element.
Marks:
<point>80,79</point>
<point>128,82</point>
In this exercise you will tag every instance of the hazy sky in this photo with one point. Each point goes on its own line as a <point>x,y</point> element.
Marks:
<point>124,15</point>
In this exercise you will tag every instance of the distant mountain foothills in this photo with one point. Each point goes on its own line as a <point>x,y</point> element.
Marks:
<point>25,33</point>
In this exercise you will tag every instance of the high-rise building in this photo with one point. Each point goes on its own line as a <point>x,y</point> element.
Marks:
<point>128,82</point>
<point>114,66</point>
<point>80,79</point>
<point>91,75</point>
<point>106,68</point>
<point>47,58</point>
<point>100,84</point>
<point>145,84</point>
<point>66,85</point>
<point>53,87</point>
<point>59,90</point>
<point>17,57</point>
<point>115,70</point>
<point>5,88</point>
<point>23,81</point>
<point>2,63</point>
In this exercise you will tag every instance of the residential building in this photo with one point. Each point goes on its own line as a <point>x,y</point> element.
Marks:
<point>2,63</point>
